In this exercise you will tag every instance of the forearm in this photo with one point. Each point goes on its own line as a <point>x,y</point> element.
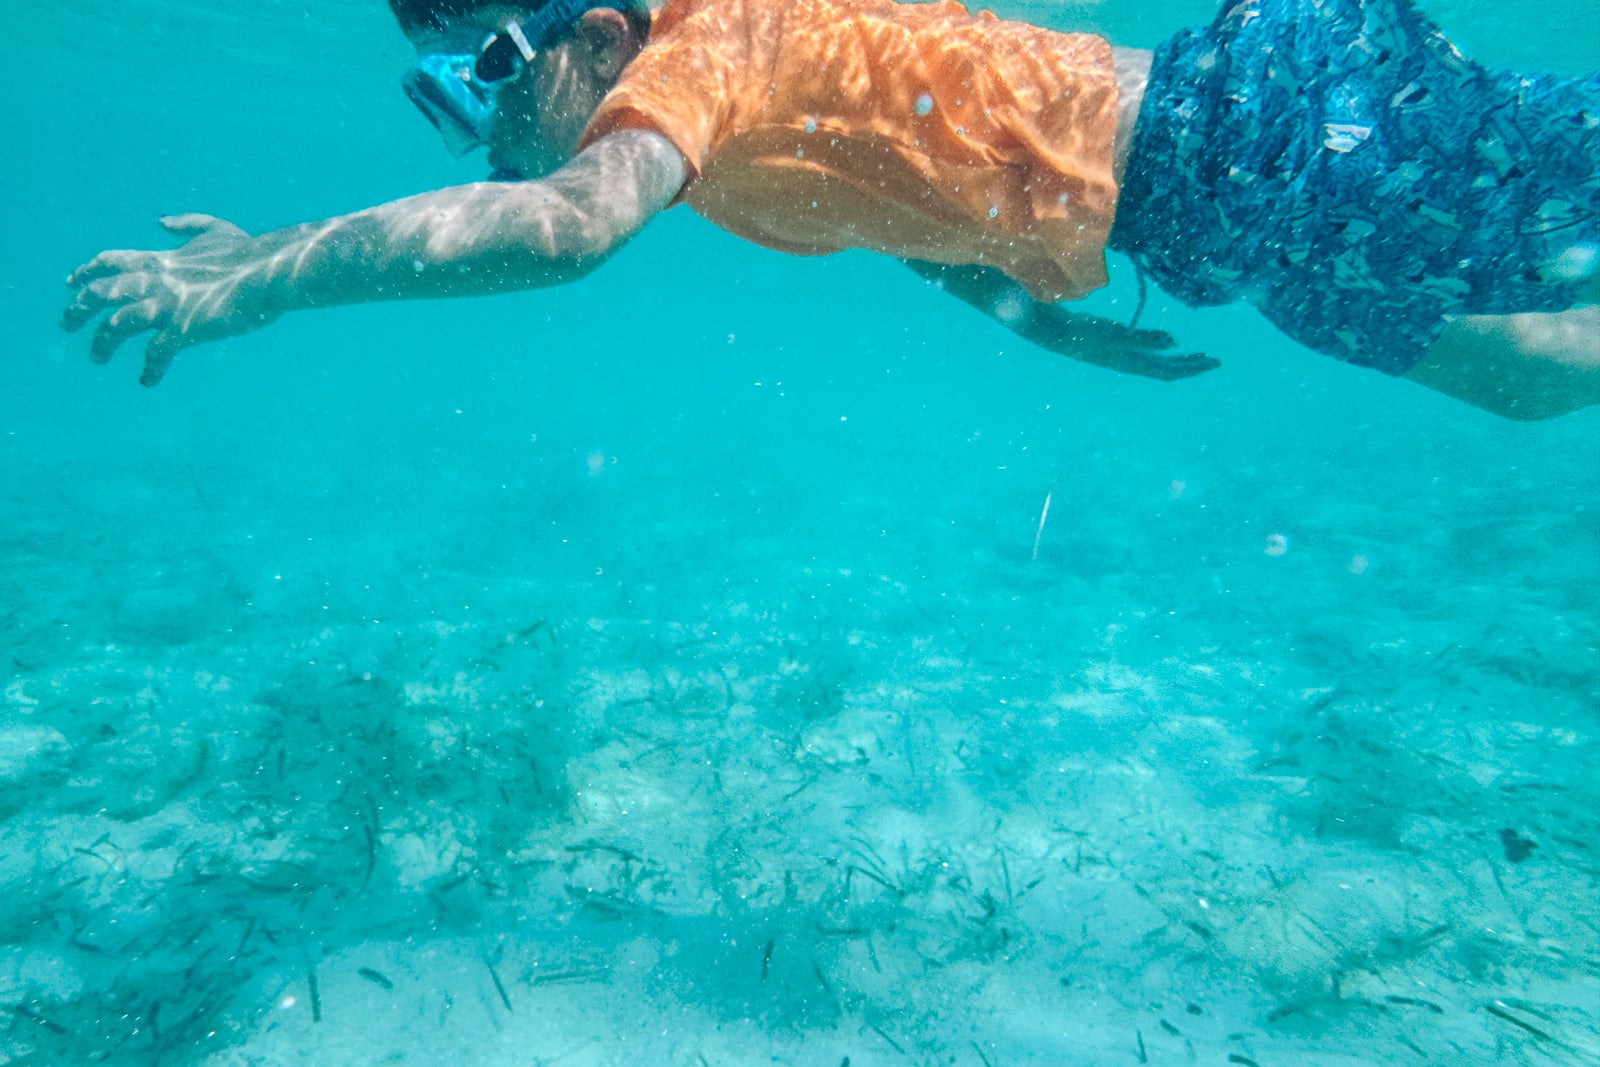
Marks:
<point>488,237</point>
<point>462,241</point>
<point>473,239</point>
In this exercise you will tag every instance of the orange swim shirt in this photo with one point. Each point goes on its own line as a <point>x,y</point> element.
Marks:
<point>917,130</point>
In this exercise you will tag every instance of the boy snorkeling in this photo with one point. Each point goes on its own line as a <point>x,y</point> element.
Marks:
<point>1335,163</point>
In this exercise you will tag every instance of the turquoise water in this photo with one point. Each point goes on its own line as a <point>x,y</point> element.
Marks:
<point>672,669</point>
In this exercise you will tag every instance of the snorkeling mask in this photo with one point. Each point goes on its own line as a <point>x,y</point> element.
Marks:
<point>456,90</point>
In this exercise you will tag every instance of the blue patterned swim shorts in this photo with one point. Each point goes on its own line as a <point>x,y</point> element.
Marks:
<point>1339,165</point>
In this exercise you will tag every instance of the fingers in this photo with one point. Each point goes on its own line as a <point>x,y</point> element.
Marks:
<point>158,356</point>
<point>142,290</point>
<point>188,223</point>
<point>1152,338</point>
<point>194,224</point>
<point>130,321</point>
<point>124,323</point>
<point>110,263</point>
<point>127,261</point>
<point>101,294</point>
<point>85,306</point>
<point>1175,368</point>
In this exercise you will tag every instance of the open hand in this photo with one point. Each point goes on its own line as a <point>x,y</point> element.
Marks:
<point>217,285</point>
<point>1074,334</point>
<point>1104,343</point>
<point>1147,353</point>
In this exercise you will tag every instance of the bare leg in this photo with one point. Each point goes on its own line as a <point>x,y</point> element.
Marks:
<point>1529,366</point>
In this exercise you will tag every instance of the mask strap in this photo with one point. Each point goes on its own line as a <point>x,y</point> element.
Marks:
<point>513,30</point>
<point>553,17</point>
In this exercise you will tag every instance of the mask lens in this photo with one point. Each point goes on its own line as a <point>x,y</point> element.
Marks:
<point>499,59</point>
<point>459,106</point>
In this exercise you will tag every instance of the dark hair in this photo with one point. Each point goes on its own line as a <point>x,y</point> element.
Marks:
<point>414,15</point>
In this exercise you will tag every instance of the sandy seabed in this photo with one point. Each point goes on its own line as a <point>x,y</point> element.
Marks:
<point>354,793</point>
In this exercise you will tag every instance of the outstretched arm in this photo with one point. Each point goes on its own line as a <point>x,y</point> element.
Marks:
<point>1086,338</point>
<point>489,237</point>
